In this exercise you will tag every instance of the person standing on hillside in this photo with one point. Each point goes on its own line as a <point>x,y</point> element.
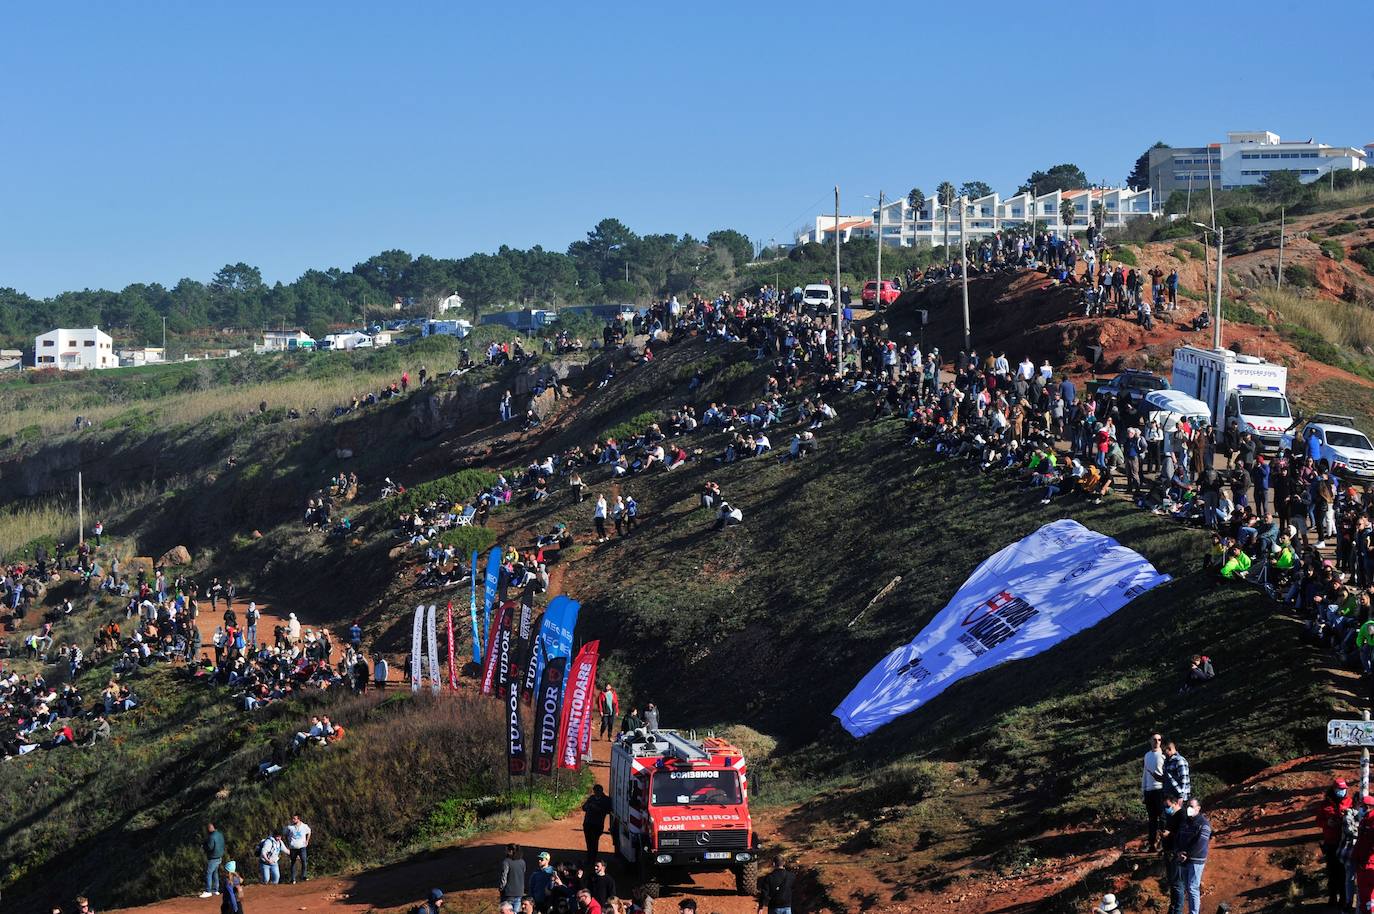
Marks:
<point>379,672</point>
<point>599,518</point>
<point>775,895</point>
<point>1330,819</point>
<point>1194,839</point>
<point>213,845</point>
<point>594,812</point>
<point>1152,786</point>
<point>651,717</point>
<point>1176,773</point>
<point>512,884</point>
<point>1174,876</point>
<point>297,836</point>
<point>232,901</point>
<point>608,705</point>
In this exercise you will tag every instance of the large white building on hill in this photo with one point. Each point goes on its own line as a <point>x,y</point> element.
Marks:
<point>74,350</point>
<point>903,226</point>
<point>1243,161</point>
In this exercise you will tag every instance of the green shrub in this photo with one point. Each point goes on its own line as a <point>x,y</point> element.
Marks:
<point>1333,249</point>
<point>1368,214</point>
<point>1300,276</point>
<point>1193,248</point>
<point>624,431</point>
<point>457,488</point>
<point>1177,229</point>
<point>1239,215</point>
<point>134,420</point>
<point>1241,313</point>
<point>1364,257</point>
<point>30,433</point>
<point>1125,256</point>
<point>467,540</point>
<point>1342,228</point>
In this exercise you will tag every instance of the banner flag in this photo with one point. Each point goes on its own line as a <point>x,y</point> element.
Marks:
<point>556,634</point>
<point>434,681</point>
<point>493,654</point>
<point>452,655</point>
<point>492,582</point>
<point>584,739</point>
<point>505,644</point>
<point>1035,593</point>
<point>547,706</point>
<point>416,636</point>
<point>524,634</point>
<point>531,665</point>
<point>515,733</point>
<point>577,706</point>
<point>476,637</point>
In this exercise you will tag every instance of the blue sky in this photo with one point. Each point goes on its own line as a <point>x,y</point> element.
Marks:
<point>149,141</point>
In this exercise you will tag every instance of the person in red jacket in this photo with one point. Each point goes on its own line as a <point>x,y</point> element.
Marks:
<point>1335,801</point>
<point>1362,858</point>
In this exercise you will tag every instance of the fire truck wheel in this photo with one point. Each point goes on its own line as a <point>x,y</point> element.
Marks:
<point>747,878</point>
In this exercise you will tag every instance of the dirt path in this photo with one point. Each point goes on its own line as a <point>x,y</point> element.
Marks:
<point>466,872</point>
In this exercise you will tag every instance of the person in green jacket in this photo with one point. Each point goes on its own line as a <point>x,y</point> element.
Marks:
<point>1364,641</point>
<point>213,845</point>
<point>1237,563</point>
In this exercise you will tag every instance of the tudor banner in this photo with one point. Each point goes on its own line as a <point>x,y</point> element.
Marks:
<point>547,702</point>
<point>577,705</point>
<point>492,659</point>
<point>515,733</point>
<point>1030,596</point>
<point>531,665</point>
<point>505,661</point>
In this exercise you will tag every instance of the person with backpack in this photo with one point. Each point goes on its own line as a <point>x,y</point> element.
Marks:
<point>269,851</point>
<point>434,904</point>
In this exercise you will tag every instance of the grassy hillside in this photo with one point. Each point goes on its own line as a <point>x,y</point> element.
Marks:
<point>763,625</point>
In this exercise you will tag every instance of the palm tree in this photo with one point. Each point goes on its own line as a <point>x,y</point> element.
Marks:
<point>946,193</point>
<point>916,199</point>
<point>1066,216</point>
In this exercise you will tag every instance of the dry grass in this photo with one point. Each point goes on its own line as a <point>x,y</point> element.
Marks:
<point>57,518</point>
<point>190,408</point>
<point>1341,323</point>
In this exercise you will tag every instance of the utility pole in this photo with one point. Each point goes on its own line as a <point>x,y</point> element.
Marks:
<point>839,313</point>
<point>1216,331</point>
<point>164,338</point>
<point>1279,286</point>
<point>80,512</point>
<point>963,259</point>
<point>878,296</point>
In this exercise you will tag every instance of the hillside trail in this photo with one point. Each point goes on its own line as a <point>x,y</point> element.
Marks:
<point>467,873</point>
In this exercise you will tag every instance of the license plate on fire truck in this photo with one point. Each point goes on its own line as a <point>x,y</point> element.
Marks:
<point>717,855</point>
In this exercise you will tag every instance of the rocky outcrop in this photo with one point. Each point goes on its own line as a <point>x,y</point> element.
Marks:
<point>177,555</point>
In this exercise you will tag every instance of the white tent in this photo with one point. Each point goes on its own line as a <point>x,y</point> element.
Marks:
<point>1179,403</point>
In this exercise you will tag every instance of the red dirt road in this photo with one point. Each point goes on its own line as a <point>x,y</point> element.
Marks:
<point>466,872</point>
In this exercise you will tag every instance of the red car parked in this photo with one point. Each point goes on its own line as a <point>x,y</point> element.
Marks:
<point>888,293</point>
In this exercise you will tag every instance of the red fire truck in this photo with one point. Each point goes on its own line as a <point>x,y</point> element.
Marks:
<point>682,803</point>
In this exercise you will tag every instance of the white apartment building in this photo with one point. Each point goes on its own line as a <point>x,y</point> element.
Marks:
<point>901,226</point>
<point>1243,161</point>
<point>74,350</point>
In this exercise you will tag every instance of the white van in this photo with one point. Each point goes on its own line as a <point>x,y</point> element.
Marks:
<point>818,295</point>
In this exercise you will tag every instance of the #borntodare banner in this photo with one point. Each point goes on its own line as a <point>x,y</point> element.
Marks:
<point>433,652</point>
<point>577,705</point>
<point>1023,600</point>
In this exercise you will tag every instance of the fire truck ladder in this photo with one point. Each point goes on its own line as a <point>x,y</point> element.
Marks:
<point>683,748</point>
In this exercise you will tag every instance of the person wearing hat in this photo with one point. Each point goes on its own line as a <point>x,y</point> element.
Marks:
<point>434,903</point>
<point>1108,905</point>
<point>231,902</point>
<point>1330,818</point>
<point>541,880</point>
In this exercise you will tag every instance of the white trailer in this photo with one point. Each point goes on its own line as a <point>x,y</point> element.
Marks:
<point>1234,386</point>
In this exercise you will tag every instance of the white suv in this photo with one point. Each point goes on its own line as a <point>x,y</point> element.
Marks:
<point>1346,448</point>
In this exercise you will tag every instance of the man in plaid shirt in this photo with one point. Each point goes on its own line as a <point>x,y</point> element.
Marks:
<point>1176,775</point>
